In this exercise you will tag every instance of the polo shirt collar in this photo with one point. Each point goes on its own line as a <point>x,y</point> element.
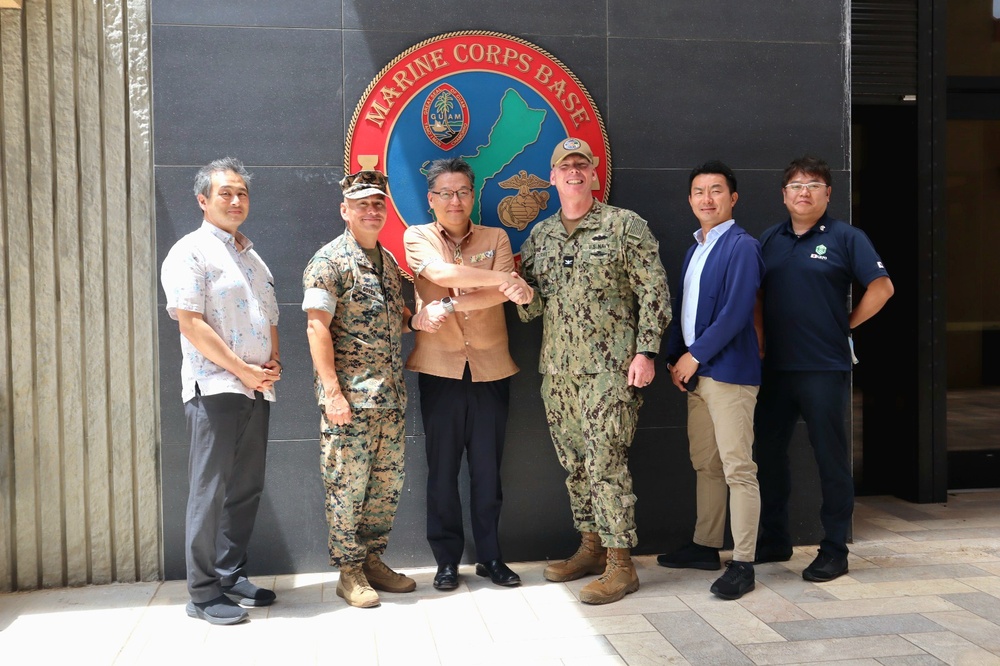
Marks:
<point>821,227</point>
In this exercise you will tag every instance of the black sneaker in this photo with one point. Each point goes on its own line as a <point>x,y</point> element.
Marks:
<point>737,581</point>
<point>767,554</point>
<point>691,556</point>
<point>825,568</point>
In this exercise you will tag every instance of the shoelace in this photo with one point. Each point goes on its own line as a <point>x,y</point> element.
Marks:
<point>380,567</point>
<point>732,572</point>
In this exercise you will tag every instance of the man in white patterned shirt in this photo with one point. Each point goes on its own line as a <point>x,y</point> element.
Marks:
<point>222,295</point>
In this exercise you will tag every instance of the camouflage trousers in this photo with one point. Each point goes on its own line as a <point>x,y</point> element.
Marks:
<point>592,420</point>
<point>362,465</point>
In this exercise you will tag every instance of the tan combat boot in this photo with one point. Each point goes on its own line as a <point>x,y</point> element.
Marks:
<point>589,558</point>
<point>353,587</point>
<point>618,579</point>
<point>381,577</point>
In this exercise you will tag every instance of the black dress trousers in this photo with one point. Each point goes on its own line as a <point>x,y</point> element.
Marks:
<point>463,416</point>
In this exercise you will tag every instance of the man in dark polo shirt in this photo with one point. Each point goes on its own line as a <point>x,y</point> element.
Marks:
<point>810,261</point>
<point>464,368</point>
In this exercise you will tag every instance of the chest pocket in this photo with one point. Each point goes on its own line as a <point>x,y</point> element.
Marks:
<point>601,260</point>
<point>546,265</point>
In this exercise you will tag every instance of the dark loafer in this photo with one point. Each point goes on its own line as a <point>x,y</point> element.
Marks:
<point>499,573</point>
<point>446,577</point>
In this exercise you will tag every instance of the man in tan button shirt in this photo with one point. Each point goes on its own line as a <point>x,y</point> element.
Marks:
<point>464,369</point>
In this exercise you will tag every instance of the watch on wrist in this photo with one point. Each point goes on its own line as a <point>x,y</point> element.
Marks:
<point>648,354</point>
<point>449,304</point>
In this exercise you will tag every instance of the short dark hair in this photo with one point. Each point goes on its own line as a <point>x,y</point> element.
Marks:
<point>203,181</point>
<point>714,166</point>
<point>449,165</point>
<point>810,166</point>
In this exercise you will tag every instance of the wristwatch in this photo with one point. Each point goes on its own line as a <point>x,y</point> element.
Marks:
<point>449,304</point>
<point>648,354</point>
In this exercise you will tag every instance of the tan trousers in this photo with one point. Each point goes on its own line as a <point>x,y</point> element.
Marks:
<point>720,434</point>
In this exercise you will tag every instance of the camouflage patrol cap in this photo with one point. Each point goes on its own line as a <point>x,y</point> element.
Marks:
<point>573,146</point>
<point>364,184</point>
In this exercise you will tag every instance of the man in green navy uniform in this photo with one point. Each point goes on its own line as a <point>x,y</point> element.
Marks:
<point>602,293</point>
<point>356,318</point>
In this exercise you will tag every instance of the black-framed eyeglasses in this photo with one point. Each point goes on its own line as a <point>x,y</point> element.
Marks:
<point>446,195</point>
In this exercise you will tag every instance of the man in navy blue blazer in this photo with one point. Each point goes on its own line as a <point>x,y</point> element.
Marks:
<point>713,356</point>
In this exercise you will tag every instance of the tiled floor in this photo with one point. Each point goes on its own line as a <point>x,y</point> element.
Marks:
<point>924,588</point>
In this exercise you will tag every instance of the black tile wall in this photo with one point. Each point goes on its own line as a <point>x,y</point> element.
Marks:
<point>677,83</point>
<point>724,20</point>
<point>671,102</point>
<point>251,13</point>
<point>514,17</point>
<point>272,96</point>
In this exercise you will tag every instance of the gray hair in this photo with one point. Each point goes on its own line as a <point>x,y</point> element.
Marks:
<point>203,181</point>
<point>449,165</point>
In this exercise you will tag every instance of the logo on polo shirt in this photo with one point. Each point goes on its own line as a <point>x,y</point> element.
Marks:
<point>819,252</point>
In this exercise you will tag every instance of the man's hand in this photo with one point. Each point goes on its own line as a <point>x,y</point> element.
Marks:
<point>685,367</point>
<point>675,378</point>
<point>641,371</point>
<point>517,290</point>
<point>271,367</point>
<point>258,377</point>
<point>430,318</point>
<point>337,409</point>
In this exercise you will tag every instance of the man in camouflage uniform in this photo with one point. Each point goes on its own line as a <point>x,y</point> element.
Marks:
<point>602,292</point>
<point>354,302</point>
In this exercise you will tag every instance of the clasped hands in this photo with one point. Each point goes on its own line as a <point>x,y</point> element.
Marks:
<point>261,377</point>
<point>517,290</point>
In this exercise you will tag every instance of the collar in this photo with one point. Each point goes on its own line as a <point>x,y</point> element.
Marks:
<point>591,220</point>
<point>226,237</point>
<point>714,232</point>
<point>822,226</point>
<point>447,237</point>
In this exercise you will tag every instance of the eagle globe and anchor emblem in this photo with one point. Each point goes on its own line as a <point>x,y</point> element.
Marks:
<point>497,101</point>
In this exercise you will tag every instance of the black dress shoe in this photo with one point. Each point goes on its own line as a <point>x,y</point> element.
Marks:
<point>499,573</point>
<point>447,577</point>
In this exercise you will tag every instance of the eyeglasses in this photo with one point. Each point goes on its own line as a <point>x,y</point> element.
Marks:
<point>812,187</point>
<point>446,195</point>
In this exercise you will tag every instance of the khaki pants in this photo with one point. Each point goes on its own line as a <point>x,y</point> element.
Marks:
<point>720,434</point>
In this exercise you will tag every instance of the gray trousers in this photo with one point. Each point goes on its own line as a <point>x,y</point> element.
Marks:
<point>228,435</point>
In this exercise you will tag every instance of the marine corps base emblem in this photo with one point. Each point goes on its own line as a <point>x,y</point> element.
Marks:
<point>499,102</point>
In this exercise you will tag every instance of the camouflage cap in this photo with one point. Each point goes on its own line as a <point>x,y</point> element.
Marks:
<point>572,146</point>
<point>364,184</point>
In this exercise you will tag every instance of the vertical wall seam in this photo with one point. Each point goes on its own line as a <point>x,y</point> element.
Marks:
<point>25,74</point>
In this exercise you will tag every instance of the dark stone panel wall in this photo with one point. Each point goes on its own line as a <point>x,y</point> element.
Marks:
<point>678,83</point>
